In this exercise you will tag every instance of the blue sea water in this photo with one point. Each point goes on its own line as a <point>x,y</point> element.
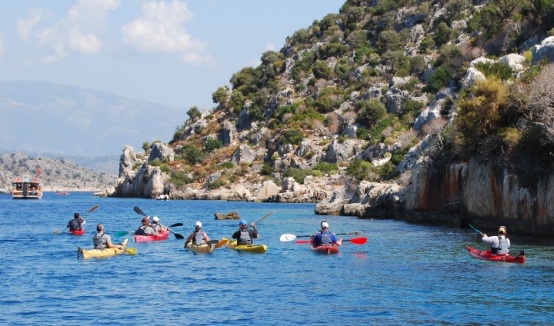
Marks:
<point>405,274</point>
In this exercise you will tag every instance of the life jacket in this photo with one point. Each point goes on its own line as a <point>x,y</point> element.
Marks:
<point>100,241</point>
<point>199,238</point>
<point>145,230</point>
<point>245,238</point>
<point>75,224</point>
<point>503,246</point>
<point>326,238</point>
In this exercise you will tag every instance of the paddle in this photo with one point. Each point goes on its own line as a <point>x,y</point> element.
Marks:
<point>290,237</point>
<point>177,235</point>
<point>131,251</point>
<point>481,233</point>
<point>264,217</point>
<point>119,234</point>
<point>358,241</point>
<point>92,209</point>
<point>222,242</point>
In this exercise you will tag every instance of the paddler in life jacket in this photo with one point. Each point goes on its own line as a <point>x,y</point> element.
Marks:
<point>102,241</point>
<point>325,237</point>
<point>244,235</point>
<point>198,236</point>
<point>146,228</point>
<point>500,245</point>
<point>76,223</point>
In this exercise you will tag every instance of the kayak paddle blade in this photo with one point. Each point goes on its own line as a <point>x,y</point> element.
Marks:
<point>131,251</point>
<point>287,237</point>
<point>222,242</point>
<point>358,241</point>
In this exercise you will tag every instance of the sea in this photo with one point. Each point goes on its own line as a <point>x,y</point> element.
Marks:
<point>406,274</point>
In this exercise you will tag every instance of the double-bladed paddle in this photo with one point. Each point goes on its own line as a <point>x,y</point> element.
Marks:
<point>290,237</point>
<point>481,233</point>
<point>177,235</point>
<point>358,241</point>
<point>264,217</point>
<point>92,209</point>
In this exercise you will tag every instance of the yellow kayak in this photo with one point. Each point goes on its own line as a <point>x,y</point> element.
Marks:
<point>203,248</point>
<point>108,252</point>
<point>258,249</point>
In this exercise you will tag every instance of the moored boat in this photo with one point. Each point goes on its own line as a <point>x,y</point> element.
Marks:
<point>486,255</point>
<point>258,249</point>
<point>149,238</point>
<point>25,187</point>
<point>326,249</point>
<point>101,253</point>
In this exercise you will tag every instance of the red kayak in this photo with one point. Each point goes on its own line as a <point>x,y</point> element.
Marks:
<point>486,255</point>
<point>148,238</point>
<point>328,249</point>
<point>77,232</point>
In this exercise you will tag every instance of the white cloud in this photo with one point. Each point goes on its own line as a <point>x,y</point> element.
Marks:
<point>25,26</point>
<point>77,32</point>
<point>1,46</point>
<point>161,28</point>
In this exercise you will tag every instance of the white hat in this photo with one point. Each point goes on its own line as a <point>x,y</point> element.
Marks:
<point>198,223</point>
<point>155,219</point>
<point>324,224</point>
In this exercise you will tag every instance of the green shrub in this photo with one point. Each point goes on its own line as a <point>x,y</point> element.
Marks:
<point>326,167</point>
<point>180,179</point>
<point>291,136</point>
<point>298,174</point>
<point>155,162</point>
<point>500,70</point>
<point>212,144</point>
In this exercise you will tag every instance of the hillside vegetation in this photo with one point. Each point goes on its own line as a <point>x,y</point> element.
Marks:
<point>362,90</point>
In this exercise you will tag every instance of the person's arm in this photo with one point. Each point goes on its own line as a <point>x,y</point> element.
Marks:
<point>206,237</point>
<point>189,239</point>
<point>109,243</point>
<point>486,239</point>
<point>256,234</point>
<point>236,235</point>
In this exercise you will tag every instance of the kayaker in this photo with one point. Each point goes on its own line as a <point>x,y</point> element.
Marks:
<point>500,244</point>
<point>76,223</point>
<point>101,240</point>
<point>156,225</point>
<point>146,228</point>
<point>198,236</point>
<point>325,237</point>
<point>244,235</point>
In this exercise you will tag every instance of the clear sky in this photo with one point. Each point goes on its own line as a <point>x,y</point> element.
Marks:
<point>171,52</point>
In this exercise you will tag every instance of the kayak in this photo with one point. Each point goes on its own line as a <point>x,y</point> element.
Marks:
<point>257,249</point>
<point>148,238</point>
<point>486,255</point>
<point>203,248</point>
<point>100,253</point>
<point>326,249</point>
<point>77,232</point>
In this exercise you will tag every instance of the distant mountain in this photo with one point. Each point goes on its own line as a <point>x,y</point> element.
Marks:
<point>71,121</point>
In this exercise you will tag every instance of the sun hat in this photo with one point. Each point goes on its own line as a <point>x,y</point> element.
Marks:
<point>243,222</point>
<point>198,224</point>
<point>324,225</point>
<point>155,219</point>
<point>502,230</point>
